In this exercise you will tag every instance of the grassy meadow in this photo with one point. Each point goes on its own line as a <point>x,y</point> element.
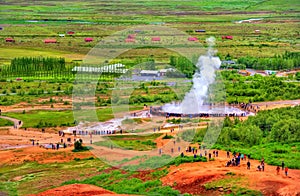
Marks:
<point>29,23</point>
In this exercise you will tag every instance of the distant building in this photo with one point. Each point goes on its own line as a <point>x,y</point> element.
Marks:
<point>70,33</point>
<point>9,39</point>
<point>270,72</point>
<point>128,40</point>
<point>61,35</point>
<point>193,39</point>
<point>244,72</point>
<point>114,68</point>
<point>153,73</point>
<point>131,36</point>
<point>228,62</point>
<point>257,31</point>
<point>88,39</point>
<point>227,37</point>
<point>155,39</point>
<point>163,72</point>
<point>50,41</point>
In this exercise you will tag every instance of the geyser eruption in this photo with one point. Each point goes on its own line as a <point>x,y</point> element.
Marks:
<point>202,79</point>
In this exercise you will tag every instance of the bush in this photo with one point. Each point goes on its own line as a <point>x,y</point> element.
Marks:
<point>78,147</point>
<point>167,137</point>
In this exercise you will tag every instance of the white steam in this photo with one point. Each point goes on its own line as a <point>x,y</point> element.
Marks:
<point>202,79</point>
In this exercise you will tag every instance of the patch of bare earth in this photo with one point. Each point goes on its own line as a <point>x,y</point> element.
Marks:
<point>77,189</point>
<point>191,177</point>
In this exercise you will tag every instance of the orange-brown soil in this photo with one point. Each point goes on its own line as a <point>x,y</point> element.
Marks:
<point>191,177</point>
<point>77,189</point>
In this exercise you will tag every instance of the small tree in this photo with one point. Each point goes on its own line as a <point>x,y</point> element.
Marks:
<point>78,146</point>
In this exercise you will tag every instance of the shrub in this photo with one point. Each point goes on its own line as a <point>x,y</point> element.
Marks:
<point>167,137</point>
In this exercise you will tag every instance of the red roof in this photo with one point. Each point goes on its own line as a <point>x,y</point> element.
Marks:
<point>88,39</point>
<point>131,36</point>
<point>9,39</point>
<point>193,39</point>
<point>227,37</point>
<point>155,38</point>
<point>50,41</point>
<point>129,40</point>
<point>70,32</point>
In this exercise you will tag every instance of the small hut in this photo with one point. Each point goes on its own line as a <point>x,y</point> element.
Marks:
<point>192,39</point>
<point>131,36</point>
<point>227,37</point>
<point>9,39</point>
<point>200,31</point>
<point>70,33</point>
<point>88,39</point>
<point>50,41</point>
<point>128,40</point>
<point>155,39</point>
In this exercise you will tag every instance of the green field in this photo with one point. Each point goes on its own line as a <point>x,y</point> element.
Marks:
<point>4,122</point>
<point>28,77</point>
<point>131,142</point>
<point>38,177</point>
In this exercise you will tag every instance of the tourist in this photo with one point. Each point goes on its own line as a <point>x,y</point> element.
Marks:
<point>214,153</point>
<point>248,165</point>
<point>217,153</point>
<point>258,168</point>
<point>160,151</point>
<point>249,156</point>
<point>172,150</point>
<point>209,156</point>
<point>238,159</point>
<point>242,156</point>
<point>195,156</point>
<point>57,146</point>
<point>263,164</point>
<point>205,153</point>
<point>282,165</point>
<point>178,148</point>
<point>278,170</point>
<point>286,171</point>
<point>228,156</point>
<point>182,155</point>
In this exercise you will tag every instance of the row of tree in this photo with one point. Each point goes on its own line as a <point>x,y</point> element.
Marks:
<point>278,125</point>
<point>258,88</point>
<point>184,65</point>
<point>48,67</point>
<point>288,60</point>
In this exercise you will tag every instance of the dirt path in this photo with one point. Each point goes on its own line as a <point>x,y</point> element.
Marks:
<point>191,177</point>
<point>17,123</point>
